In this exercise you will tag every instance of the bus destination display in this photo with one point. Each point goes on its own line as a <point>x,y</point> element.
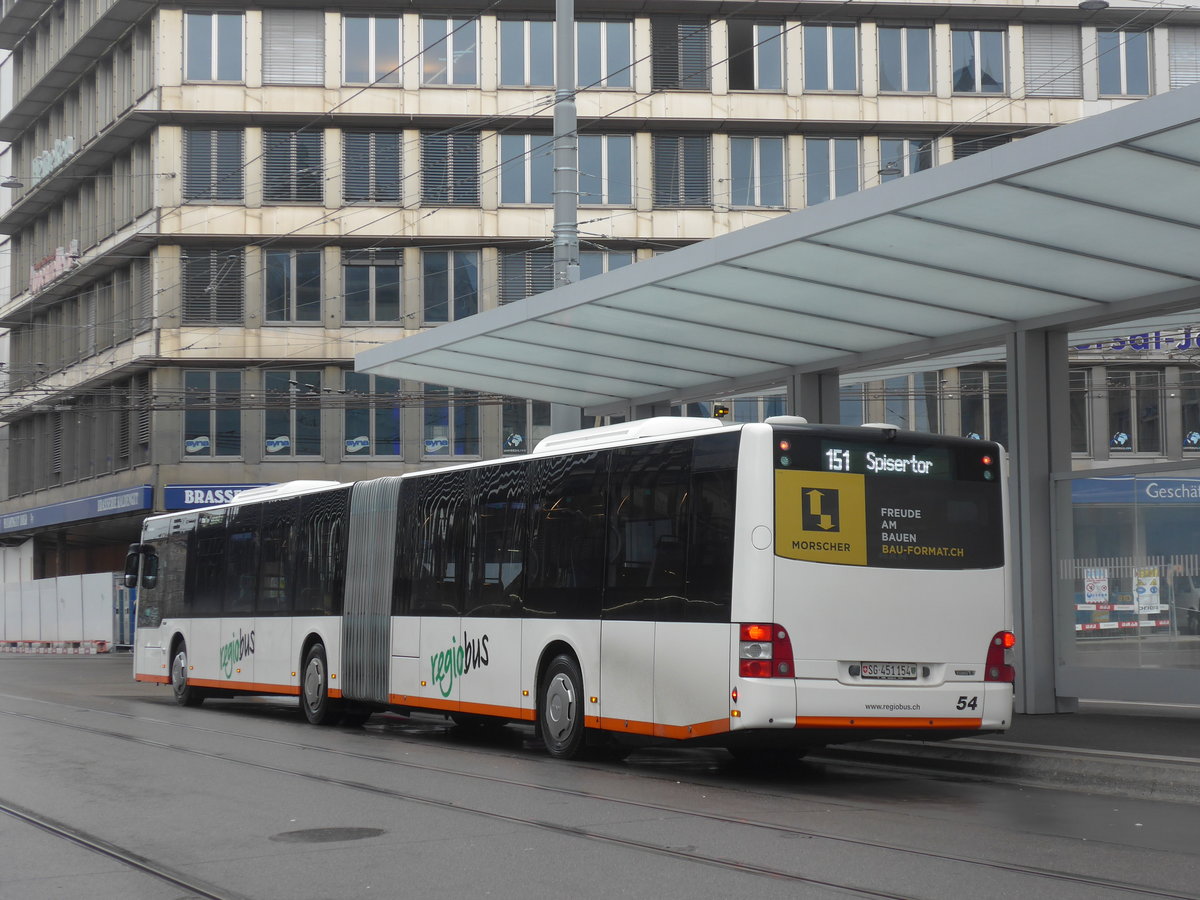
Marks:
<point>888,504</point>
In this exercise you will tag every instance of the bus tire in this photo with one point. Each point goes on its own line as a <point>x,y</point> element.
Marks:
<point>560,708</point>
<point>185,694</point>
<point>315,703</point>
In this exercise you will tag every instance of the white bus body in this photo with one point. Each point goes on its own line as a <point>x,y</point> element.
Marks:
<point>774,585</point>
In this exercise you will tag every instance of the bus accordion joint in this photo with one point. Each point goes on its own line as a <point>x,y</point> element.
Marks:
<point>997,667</point>
<point>765,651</point>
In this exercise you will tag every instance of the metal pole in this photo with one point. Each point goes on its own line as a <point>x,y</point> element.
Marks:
<point>566,147</point>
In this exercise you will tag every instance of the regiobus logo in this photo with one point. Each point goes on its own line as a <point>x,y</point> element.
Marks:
<point>457,660</point>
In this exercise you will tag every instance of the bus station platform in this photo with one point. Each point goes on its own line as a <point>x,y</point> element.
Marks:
<point>1128,750</point>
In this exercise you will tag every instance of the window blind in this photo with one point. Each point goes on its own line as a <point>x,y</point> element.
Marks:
<point>1053,61</point>
<point>680,55</point>
<point>682,170</point>
<point>214,290</point>
<point>293,46</point>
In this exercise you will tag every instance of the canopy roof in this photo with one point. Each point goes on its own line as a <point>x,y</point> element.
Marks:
<point>1091,222</point>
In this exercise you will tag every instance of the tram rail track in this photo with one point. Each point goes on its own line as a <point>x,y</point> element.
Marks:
<point>682,854</point>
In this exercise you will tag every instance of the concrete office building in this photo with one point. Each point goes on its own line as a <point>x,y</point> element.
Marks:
<point>214,210</point>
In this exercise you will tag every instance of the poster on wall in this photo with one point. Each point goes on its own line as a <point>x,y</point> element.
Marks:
<point>1095,585</point>
<point>1145,590</point>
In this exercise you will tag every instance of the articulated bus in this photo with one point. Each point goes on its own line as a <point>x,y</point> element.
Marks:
<point>765,587</point>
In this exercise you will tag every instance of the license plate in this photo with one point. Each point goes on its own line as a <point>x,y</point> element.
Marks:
<point>889,671</point>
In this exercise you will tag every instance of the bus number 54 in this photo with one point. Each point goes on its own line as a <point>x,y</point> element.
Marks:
<point>968,703</point>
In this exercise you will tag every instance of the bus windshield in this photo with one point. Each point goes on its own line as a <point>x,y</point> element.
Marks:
<point>914,501</point>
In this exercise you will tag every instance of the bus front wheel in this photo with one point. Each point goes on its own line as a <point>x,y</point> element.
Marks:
<point>185,694</point>
<point>318,708</point>
<point>560,712</point>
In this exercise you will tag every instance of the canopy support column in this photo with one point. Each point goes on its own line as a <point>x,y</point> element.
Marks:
<point>1039,444</point>
<point>816,396</point>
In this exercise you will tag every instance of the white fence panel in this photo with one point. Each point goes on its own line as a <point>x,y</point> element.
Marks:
<point>98,594</point>
<point>70,608</point>
<point>31,613</point>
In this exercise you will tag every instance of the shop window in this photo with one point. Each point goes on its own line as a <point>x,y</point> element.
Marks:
<point>1078,386</point>
<point>451,426</point>
<point>830,57</point>
<point>831,168</point>
<point>293,285</point>
<point>292,419</point>
<point>755,55</point>
<point>450,285</point>
<point>526,53</point>
<point>900,157</point>
<point>371,50</point>
<point>449,51</point>
<point>1124,59</point>
<point>756,171</point>
<point>1135,422</point>
<point>371,420</point>
<point>977,60</point>
<point>213,46</point>
<point>906,59</point>
<point>604,54</point>
<point>212,417</point>
<point>1189,393</point>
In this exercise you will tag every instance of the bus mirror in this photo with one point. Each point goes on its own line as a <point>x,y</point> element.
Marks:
<point>144,555</point>
<point>131,569</point>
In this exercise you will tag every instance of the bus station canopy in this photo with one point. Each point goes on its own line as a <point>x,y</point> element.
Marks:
<point>1092,222</point>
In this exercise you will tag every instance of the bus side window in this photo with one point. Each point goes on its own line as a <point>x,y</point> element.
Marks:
<point>320,559</point>
<point>276,556</point>
<point>241,562</point>
<point>568,535</point>
<point>710,547</point>
<point>499,515</point>
<point>434,523</point>
<point>206,565</point>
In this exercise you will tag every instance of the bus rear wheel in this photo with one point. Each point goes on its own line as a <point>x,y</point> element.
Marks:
<point>185,694</point>
<point>560,710</point>
<point>318,708</point>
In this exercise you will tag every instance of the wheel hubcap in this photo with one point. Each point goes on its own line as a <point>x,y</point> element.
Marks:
<point>179,672</point>
<point>314,679</point>
<point>560,707</point>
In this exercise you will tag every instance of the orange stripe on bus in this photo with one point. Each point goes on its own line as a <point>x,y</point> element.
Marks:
<point>153,679</point>
<point>482,709</point>
<point>653,729</point>
<point>248,686</point>
<point>884,722</point>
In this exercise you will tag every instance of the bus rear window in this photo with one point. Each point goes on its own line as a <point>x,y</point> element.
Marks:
<point>912,502</point>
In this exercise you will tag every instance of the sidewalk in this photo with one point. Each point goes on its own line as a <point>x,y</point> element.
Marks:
<point>1120,749</point>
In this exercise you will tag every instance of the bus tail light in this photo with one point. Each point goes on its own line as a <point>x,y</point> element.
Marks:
<point>765,651</point>
<point>997,667</point>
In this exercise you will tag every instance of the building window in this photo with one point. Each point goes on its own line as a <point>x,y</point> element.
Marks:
<point>1124,58</point>
<point>371,424</point>
<point>604,54</point>
<point>293,166</point>
<point>978,61</point>
<point>451,285</point>
<point>292,420</point>
<point>597,262</point>
<point>983,404</point>
<point>526,53</point>
<point>1189,393</point>
<point>1134,411</point>
<point>756,171</point>
<point>898,158</point>
<point>755,55</point>
<point>969,146</point>
<point>755,409</point>
<point>679,54</point>
<point>526,168</point>
<point>212,417</point>
<point>831,166</point>
<point>1183,55</point>
<point>1077,386</point>
<point>606,169</point>
<point>851,405</point>
<point>523,424</point>
<point>293,46</point>
<point>682,170</point>
<point>1053,61</point>
<point>371,50</point>
<point>372,281</point>
<point>213,287</point>
<point>830,58</point>
<point>450,169</point>
<point>293,279</point>
<point>912,401</point>
<point>449,51</point>
<point>524,273</point>
<point>212,163</point>
<point>905,60</point>
<point>371,166</point>
<point>451,422</point>
<point>213,46</point>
